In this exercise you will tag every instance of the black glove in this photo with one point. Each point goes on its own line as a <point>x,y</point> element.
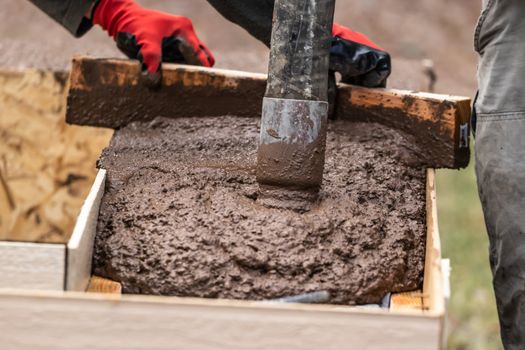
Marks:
<point>358,59</point>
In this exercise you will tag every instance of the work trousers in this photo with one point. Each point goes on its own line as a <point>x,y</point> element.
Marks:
<point>500,156</point>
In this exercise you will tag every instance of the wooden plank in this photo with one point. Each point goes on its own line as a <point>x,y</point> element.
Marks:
<point>108,93</point>
<point>406,301</point>
<point>74,321</point>
<point>433,294</point>
<point>104,286</point>
<point>439,123</point>
<point>32,265</point>
<point>80,246</point>
<point>432,297</point>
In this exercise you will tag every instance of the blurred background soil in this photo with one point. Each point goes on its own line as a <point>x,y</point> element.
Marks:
<point>412,31</point>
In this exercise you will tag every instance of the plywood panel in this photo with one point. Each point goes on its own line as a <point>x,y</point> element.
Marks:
<point>46,166</point>
<point>32,266</point>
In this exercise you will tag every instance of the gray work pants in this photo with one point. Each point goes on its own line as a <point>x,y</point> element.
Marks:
<point>500,156</point>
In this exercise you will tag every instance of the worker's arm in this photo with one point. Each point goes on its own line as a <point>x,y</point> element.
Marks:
<point>358,59</point>
<point>69,13</point>
<point>150,36</point>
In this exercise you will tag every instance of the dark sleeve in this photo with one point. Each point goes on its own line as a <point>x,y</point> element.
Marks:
<point>253,15</point>
<point>69,13</point>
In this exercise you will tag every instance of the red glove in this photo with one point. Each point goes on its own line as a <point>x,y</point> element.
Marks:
<point>151,36</point>
<point>359,60</point>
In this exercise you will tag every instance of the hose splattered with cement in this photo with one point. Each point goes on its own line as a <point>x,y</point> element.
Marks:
<point>307,298</point>
<point>292,144</point>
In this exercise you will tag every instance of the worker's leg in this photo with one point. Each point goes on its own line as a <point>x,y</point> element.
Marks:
<point>500,156</point>
<point>253,15</point>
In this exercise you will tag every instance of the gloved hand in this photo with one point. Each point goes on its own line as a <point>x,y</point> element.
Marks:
<point>359,60</point>
<point>151,36</point>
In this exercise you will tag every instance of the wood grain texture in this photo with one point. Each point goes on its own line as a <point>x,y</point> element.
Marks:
<point>74,321</point>
<point>108,93</point>
<point>439,123</point>
<point>104,286</point>
<point>407,301</point>
<point>46,166</point>
<point>80,246</point>
<point>433,293</point>
<point>32,265</point>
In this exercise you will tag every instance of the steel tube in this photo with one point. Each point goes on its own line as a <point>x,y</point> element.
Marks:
<point>294,118</point>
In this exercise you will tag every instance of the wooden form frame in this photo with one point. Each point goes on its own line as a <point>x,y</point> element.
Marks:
<point>40,314</point>
<point>109,93</point>
<point>73,320</point>
<point>58,267</point>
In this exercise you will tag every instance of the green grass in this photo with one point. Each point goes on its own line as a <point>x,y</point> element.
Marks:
<point>472,322</point>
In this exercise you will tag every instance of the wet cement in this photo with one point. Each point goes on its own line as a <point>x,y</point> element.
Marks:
<point>180,215</point>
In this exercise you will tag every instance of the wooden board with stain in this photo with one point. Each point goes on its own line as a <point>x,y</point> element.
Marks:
<point>116,96</point>
<point>439,123</point>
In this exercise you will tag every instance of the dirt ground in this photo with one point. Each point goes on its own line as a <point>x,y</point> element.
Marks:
<point>440,30</point>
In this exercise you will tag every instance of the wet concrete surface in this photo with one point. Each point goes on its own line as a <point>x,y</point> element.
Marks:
<point>181,217</point>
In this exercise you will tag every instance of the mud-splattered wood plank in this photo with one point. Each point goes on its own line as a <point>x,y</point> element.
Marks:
<point>439,123</point>
<point>46,166</point>
<point>109,93</point>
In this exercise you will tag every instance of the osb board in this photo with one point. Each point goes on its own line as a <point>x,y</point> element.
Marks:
<point>46,166</point>
<point>55,266</point>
